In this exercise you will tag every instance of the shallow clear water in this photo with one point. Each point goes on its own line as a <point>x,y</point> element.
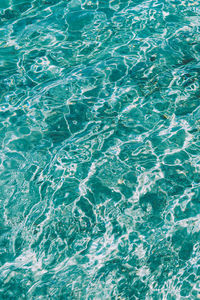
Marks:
<point>99,149</point>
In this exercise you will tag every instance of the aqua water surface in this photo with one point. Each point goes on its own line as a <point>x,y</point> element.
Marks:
<point>99,149</point>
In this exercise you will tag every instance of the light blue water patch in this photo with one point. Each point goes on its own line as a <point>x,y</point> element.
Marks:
<point>99,149</point>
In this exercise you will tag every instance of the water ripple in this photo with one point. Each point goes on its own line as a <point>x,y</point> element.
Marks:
<point>99,158</point>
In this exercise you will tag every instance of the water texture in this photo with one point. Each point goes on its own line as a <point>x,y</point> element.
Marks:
<point>99,149</point>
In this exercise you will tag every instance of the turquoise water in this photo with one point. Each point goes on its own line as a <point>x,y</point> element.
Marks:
<point>99,149</point>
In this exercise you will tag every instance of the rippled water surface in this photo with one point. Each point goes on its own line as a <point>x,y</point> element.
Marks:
<point>99,149</point>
